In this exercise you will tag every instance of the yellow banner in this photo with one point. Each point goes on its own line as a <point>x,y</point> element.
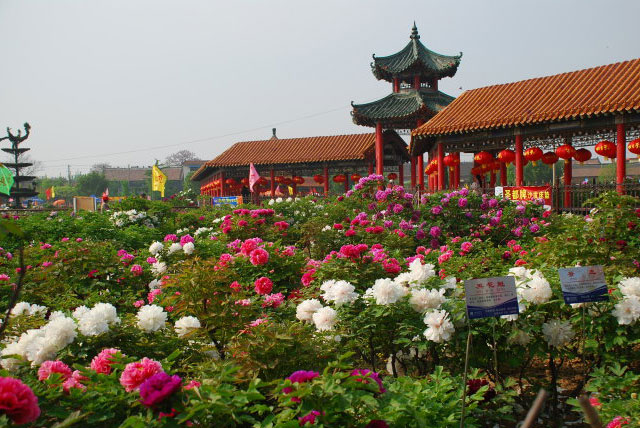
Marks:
<point>158,180</point>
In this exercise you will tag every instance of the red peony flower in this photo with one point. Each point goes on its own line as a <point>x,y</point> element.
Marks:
<point>18,401</point>
<point>263,285</point>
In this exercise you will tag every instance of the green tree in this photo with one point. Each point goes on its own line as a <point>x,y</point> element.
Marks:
<point>93,183</point>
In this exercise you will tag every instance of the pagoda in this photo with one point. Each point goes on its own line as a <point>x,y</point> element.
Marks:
<point>414,73</point>
<point>18,193</point>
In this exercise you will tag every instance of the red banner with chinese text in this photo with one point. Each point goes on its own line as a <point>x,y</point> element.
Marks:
<point>527,193</point>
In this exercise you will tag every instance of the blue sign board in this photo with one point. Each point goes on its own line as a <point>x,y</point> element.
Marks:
<point>583,284</point>
<point>227,200</point>
<point>491,297</point>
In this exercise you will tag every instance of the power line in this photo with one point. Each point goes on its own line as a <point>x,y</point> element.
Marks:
<point>200,140</point>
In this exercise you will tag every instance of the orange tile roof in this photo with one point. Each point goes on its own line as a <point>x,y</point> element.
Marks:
<point>613,88</point>
<point>299,150</point>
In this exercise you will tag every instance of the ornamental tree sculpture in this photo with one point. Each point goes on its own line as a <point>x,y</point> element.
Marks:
<point>19,192</point>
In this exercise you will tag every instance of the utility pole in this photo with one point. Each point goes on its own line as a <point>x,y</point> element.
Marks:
<point>69,174</point>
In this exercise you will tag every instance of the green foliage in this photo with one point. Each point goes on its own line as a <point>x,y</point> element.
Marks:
<point>93,183</point>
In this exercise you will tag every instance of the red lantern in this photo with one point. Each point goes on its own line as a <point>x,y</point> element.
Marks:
<point>534,154</point>
<point>230,181</point>
<point>634,147</point>
<point>318,178</point>
<point>279,179</point>
<point>495,165</point>
<point>549,158</point>
<point>451,160</point>
<point>582,155</point>
<point>431,167</point>
<point>477,170</point>
<point>392,176</point>
<point>262,181</point>
<point>298,180</point>
<point>340,178</point>
<point>245,181</point>
<point>607,149</point>
<point>507,156</point>
<point>483,158</point>
<point>565,151</point>
<point>288,181</point>
<point>355,177</point>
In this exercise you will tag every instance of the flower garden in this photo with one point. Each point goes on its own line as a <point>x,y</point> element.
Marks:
<point>346,311</point>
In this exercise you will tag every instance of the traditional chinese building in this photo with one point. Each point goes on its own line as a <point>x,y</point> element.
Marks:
<point>414,73</point>
<point>296,162</point>
<point>516,122</point>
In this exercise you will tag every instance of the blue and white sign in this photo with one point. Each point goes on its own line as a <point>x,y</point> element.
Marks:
<point>491,297</point>
<point>583,284</point>
<point>227,200</point>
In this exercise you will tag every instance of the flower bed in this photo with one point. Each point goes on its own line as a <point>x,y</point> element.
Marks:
<point>335,312</point>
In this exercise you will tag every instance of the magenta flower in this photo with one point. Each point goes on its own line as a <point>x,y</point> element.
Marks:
<point>102,362</point>
<point>185,239</point>
<point>136,270</point>
<point>310,417</point>
<point>436,210</point>
<point>258,257</point>
<point>135,374</point>
<point>263,285</point>
<point>462,202</point>
<point>365,375</point>
<point>4,277</point>
<point>170,237</point>
<point>158,388</point>
<point>435,231</point>
<point>18,401</point>
<point>50,367</point>
<point>273,300</point>
<point>466,246</point>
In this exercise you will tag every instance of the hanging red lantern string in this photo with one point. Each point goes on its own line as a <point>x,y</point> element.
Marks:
<point>245,181</point>
<point>565,151</point>
<point>230,181</point>
<point>355,177</point>
<point>634,147</point>
<point>318,178</point>
<point>483,158</point>
<point>298,180</point>
<point>392,176</point>
<point>607,149</point>
<point>288,181</point>
<point>533,154</point>
<point>549,158</point>
<point>340,178</point>
<point>582,155</point>
<point>507,156</point>
<point>262,181</point>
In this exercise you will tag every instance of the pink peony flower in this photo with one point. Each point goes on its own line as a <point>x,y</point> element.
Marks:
<point>309,417</point>
<point>257,322</point>
<point>185,239</point>
<point>65,239</point>
<point>466,246</point>
<point>263,285</point>
<point>192,385</point>
<point>151,260</point>
<point>158,388</point>
<point>243,302</point>
<point>74,382</point>
<point>50,367</point>
<point>102,362</point>
<point>273,300</point>
<point>364,375</point>
<point>152,295</point>
<point>46,264</point>
<point>18,401</point>
<point>138,303</point>
<point>4,277</point>
<point>136,270</point>
<point>135,374</point>
<point>259,256</point>
<point>617,422</point>
<point>79,240</point>
<point>170,238</point>
<point>236,286</point>
<point>45,246</point>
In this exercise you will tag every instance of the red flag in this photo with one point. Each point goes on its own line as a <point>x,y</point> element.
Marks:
<point>48,193</point>
<point>253,176</point>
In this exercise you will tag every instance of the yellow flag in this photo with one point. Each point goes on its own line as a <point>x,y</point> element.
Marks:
<point>158,180</point>
<point>53,192</point>
<point>290,190</point>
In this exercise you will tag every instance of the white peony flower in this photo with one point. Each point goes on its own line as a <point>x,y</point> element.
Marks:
<point>14,348</point>
<point>37,310</point>
<point>450,282</point>
<point>423,299</point>
<point>189,248</point>
<point>338,292</point>
<point>21,308</point>
<point>520,338</point>
<point>156,247</point>
<point>440,328</point>
<point>151,318</point>
<point>156,283</point>
<point>325,318</point>
<point>630,287</point>
<point>93,324</point>
<point>278,200</point>
<point>79,312</point>
<point>557,332</point>
<point>537,290</point>
<point>386,292</point>
<point>307,308</point>
<point>271,201</point>
<point>627,310</point>
<point>175,247</point>
<point>56,315</point>
<point>158,268</point>
<point>60,332</point>
<point>186,324</point>
<point>420,272</point>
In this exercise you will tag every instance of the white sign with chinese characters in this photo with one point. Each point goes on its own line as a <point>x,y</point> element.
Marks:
<point>491,297</point>
<point>583,284</point>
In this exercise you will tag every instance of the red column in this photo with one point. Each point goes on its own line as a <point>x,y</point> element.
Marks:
<point>503,174</point>
<point>401,173</point>
<point>370,168</point>
<point>379,150</point>
<point>222,184</point>
<point>567,183</point>
<point>440,166</point>
<point>396,85</point>
<point>416,82</point>
<point>457,170</point>
<point>421,171</point>
<point>346,183</point>
<point>492,180</point>
<point>326,181</point>
<point>273,183</point>
<point>451,178</point>
<point>519,165</point>
<point>413,172</point>
<point>621,157</point>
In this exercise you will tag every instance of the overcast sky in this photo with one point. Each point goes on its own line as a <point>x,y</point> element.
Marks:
<point>129,81</point>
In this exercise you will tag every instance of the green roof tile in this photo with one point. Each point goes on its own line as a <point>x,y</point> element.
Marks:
<point>401,110</point>
<point>414,59</point>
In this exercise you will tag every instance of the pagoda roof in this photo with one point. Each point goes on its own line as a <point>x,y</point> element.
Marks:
<point>283,151</point>
<point>414,59</point>
<point>401,110</point>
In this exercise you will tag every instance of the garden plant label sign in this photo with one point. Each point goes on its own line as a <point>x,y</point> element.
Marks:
<point>491,297</point>
<point>583,284</point>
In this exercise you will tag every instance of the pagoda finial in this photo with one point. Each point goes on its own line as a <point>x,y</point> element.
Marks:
<point>414,32</point>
